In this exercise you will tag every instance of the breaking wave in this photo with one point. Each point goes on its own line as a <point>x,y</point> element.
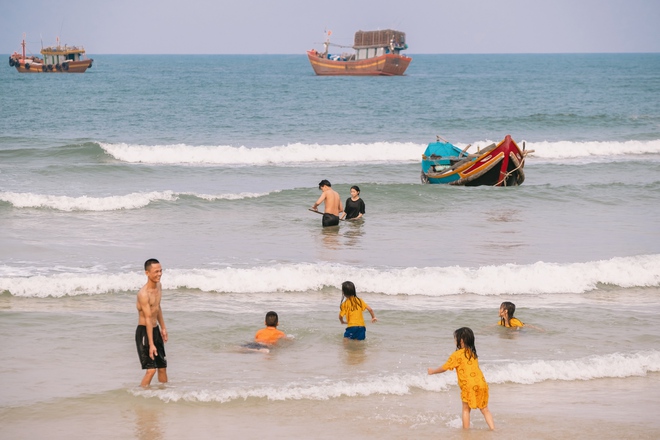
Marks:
<point>109,203</point>
<point>615,365</point>
<point>286,155</point>
<point>294,154</point>
<point>508,279</point>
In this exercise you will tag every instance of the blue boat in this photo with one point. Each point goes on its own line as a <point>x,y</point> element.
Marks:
<point>496,165</point>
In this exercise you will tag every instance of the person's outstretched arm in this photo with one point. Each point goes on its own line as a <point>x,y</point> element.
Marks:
<point>436,370</point>
<point>534,327</point>
<point>373,315</point>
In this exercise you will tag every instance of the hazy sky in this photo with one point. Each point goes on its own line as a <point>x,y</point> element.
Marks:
<point>293,26</point>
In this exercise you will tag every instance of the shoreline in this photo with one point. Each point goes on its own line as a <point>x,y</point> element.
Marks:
<point>606,408</point>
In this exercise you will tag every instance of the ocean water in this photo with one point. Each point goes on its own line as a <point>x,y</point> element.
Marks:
<point>209,163</point>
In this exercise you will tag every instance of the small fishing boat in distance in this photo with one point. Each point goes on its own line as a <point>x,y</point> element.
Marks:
<point>56,59</point>
<point>376,53</point>
<point>496,165</point>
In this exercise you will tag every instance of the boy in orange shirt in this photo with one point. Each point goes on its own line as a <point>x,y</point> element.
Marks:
<point>267,337</point>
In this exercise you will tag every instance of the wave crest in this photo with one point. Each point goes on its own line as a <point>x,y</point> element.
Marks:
<point>582,150</point>
<point>109,203</point>
<point>391,152</point>
<point>508,279</point>
<point>615,365</point>
<point>285,155</point>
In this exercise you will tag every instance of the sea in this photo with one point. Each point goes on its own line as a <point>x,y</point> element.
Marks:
<point>210,163</point>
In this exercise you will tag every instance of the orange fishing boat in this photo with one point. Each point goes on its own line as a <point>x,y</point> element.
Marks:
<point>376,53</point>
<point>56,59</point>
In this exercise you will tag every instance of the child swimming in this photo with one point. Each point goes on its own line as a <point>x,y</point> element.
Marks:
<point>507,309</point>
<point>266,337</point>
<point>352,308</point>
<point>474,389</point>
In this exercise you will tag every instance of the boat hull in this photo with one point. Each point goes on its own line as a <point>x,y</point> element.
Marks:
<point>496,165</point>
<point>32,66</point>
<point>388,65</point>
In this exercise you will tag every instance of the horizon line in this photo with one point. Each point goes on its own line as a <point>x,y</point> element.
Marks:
<point>410,54</point>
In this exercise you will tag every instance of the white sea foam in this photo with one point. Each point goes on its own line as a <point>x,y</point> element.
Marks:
<point>285,155</point>
<point>509,279</point>
<point>237,196</point>
<point>614,365</point>
<point>71,284</point>
<point>292,154</point>
<point>85,203</point>
<point>591,150</point>
<point>109,203</point>
<point>593,367</point>
<point>394,384</point>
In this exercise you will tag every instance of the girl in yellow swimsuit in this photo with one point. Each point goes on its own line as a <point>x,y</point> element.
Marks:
<point>474,389</point>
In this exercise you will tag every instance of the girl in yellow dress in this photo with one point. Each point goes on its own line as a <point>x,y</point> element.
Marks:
<point>474,389</point>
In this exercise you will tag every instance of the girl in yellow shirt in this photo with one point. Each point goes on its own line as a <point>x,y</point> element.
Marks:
<point>352,308</point>
<point>474,389</point>
<point>507,309</point>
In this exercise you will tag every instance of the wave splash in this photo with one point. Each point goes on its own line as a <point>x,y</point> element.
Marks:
<point>109,203</point>
<point>286,155</point>
<point>395,152</point>
<point>615,365</point>
<point>584,150</point>
<point>508,279</point>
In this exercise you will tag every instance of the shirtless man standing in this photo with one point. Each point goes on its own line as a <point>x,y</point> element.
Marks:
<point>332,202</point>
<point>149,338</point>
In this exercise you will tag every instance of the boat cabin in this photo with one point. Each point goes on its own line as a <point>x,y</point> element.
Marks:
<point>59,54</point>
<point>370,44</point>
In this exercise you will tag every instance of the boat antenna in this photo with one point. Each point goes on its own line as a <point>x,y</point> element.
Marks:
<point>327,41</point>
<point>41,37</point>
<point>61,30</point>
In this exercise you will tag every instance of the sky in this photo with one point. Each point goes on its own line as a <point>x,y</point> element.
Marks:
<point>294,26</point>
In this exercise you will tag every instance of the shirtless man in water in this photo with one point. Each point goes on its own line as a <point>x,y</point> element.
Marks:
<point>149,338</point>
<point>332,202</point>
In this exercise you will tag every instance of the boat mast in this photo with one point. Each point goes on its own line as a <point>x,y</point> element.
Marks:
<point>326,44</point>
<point>23,44</point>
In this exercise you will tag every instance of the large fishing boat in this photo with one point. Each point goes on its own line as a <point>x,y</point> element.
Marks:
<point>56,59</point>
<point>496,165</point>
<point>376,53</point>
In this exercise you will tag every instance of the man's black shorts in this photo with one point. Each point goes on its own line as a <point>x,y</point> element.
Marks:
<point>330,220</point>
<point>142,343</point>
